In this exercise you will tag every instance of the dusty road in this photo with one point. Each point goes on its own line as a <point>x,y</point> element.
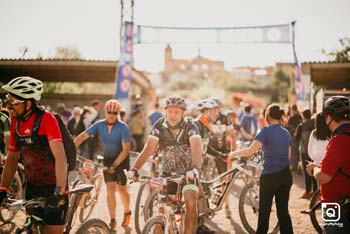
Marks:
<point>301,222</point>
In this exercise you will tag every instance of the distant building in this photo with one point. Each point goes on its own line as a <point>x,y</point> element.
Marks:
<point>260,75</point>
<point>180,68</point>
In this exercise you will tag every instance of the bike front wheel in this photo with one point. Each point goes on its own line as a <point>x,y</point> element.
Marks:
<point>139,216</point>
<point>97,226</point>
<point>315,211</point>
<point>249,209</point>
<point>154,225</point>
<point>15,192</point>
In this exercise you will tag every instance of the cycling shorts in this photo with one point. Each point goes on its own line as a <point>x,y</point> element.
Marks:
<point>51,216</point>
<point>118,175</point>
<point>172,187</point>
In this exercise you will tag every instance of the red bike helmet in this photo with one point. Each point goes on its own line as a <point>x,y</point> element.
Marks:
<point>112,105</point>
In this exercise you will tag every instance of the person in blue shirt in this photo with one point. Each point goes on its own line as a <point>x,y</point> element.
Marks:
<point>249,124</point>
<point>276,178</point>
<point>115,138</point>
<point>155,115</point>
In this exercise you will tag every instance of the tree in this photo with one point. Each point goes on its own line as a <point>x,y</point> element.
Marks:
<point>67,52</point>
<point>343,54</point>
<point>280,86</point>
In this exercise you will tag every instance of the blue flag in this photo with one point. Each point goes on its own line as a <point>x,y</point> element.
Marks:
<point>123,80</point>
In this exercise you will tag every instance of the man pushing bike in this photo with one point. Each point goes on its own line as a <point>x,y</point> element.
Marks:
<point>178,141</point>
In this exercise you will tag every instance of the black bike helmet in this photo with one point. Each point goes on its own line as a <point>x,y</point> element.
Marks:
<point>175,101</point>
<point>336,105</point>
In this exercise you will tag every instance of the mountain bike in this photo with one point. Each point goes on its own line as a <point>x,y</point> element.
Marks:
<point>33,222</point>
<point>248,205</point>
<point>16,191</point>
<point>214,194</point>
<point>142,194</point>
<point>171,208</point>
<point>315,212</point>
<point>89,173</point>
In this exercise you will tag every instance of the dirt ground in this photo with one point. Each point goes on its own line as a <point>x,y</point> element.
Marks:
<point>222,225</point>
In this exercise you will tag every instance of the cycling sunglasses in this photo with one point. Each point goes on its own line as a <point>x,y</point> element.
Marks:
<point>112,112</point>
<point>12,101</point>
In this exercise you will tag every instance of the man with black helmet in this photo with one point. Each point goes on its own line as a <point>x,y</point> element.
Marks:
<point>45,166</point>
<point>178,141</point>
<point>333,173</point>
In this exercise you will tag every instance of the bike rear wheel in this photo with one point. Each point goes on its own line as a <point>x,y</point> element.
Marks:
<point>155,225</point>
<point>315,211</point>
<point>249,209</point>
<point>89,200</point>
<point>96,226</point>
<point>73,199</point>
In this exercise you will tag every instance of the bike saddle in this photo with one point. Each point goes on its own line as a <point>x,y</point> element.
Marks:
<point>83,188</point>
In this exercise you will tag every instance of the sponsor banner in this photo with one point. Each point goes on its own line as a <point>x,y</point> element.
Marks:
<point>123,79</point>
<point>257,34</point>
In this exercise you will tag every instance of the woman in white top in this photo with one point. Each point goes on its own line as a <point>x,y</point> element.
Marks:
<point>319,138</point>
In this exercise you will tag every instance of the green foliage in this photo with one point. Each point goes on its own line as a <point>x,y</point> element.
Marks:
<point>342,55</point>
<point>281,85</point>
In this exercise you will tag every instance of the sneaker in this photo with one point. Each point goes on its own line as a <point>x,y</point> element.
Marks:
<point>227,212</point>
<point>113,225</point>
<point>204,230</point>
<point>126,219</point>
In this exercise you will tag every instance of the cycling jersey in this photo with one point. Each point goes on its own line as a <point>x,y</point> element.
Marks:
<point>111,142</point>
<point>175,150</point>
<point>336,163</point>
<point>219,129</point>
<point>39,164</point>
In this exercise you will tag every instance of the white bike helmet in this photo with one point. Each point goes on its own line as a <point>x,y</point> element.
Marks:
<point>206,104</point>
<point>25,87</point>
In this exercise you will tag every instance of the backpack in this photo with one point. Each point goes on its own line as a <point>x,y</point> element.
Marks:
<point>67,139</point>
<point>3,118</point>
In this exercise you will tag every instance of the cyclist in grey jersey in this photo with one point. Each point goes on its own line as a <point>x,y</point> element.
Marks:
<point>179,143</point>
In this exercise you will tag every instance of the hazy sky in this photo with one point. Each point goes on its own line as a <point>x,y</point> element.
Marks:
<point>93,27</point>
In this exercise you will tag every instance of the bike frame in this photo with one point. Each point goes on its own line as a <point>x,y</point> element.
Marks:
<point>235,171</point>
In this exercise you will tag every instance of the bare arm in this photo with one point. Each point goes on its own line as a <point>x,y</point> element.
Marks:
<point>81,138</point>
<point>322,177</point>
<point>148,150</point>
<point>196,148</point>
<point>10,168</point>
<point>246,134</point>
<point>60,163</point>
<point>122,156</point>
<point>289,152</point>
<point>255,146</point>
